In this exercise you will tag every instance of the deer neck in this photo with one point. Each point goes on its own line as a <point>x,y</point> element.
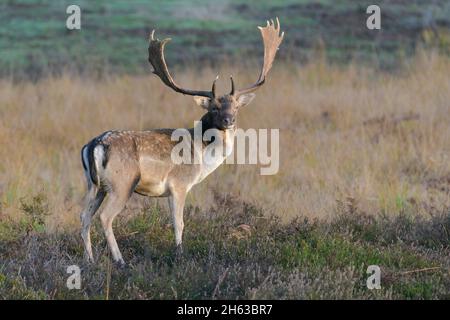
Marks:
<point>226,138</point>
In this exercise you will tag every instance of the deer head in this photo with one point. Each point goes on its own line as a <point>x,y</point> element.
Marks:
<point>222,111</point>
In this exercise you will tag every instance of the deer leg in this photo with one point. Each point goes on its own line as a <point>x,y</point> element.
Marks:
<point>94,199</point>
<point>176,205</point>
<point>115,203</point>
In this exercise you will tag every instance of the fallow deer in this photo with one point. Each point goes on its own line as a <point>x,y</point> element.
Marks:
<point>119,163</point>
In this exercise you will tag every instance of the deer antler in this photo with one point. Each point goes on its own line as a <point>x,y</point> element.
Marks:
<point>157,60</point>
<point>272,40</point>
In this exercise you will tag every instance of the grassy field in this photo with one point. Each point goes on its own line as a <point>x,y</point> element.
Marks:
<point>364,179</point>
<point>233,251</point>
<point>34,40</point>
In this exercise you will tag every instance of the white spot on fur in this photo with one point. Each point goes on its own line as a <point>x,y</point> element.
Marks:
<point>99,154</point>
<point>106,135</point>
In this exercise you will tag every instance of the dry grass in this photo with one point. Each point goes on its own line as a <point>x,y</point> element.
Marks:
<point>366,149</point>
<point>347,134</point>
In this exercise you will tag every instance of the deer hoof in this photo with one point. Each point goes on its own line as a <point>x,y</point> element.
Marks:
<point>120,264</point>
<point>179,251</point>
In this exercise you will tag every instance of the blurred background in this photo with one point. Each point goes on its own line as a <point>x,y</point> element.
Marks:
<point>113,35</point>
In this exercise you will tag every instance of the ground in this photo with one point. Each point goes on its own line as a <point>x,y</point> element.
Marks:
<point>233,251</point>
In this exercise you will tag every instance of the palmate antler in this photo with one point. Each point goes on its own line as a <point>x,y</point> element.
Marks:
<point>157,60</point>
<point>272,40</point>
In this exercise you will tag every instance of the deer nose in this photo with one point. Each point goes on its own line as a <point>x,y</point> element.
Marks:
<point>228,120</point>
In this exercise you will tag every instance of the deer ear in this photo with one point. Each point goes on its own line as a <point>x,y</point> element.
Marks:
<point>202,101</point>
<point>245,99</point>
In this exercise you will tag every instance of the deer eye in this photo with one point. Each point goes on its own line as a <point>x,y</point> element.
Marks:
<point>215,110</point>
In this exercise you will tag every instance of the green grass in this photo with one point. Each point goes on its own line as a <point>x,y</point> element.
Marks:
<point>34,40</point>
<point>299,260</point>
